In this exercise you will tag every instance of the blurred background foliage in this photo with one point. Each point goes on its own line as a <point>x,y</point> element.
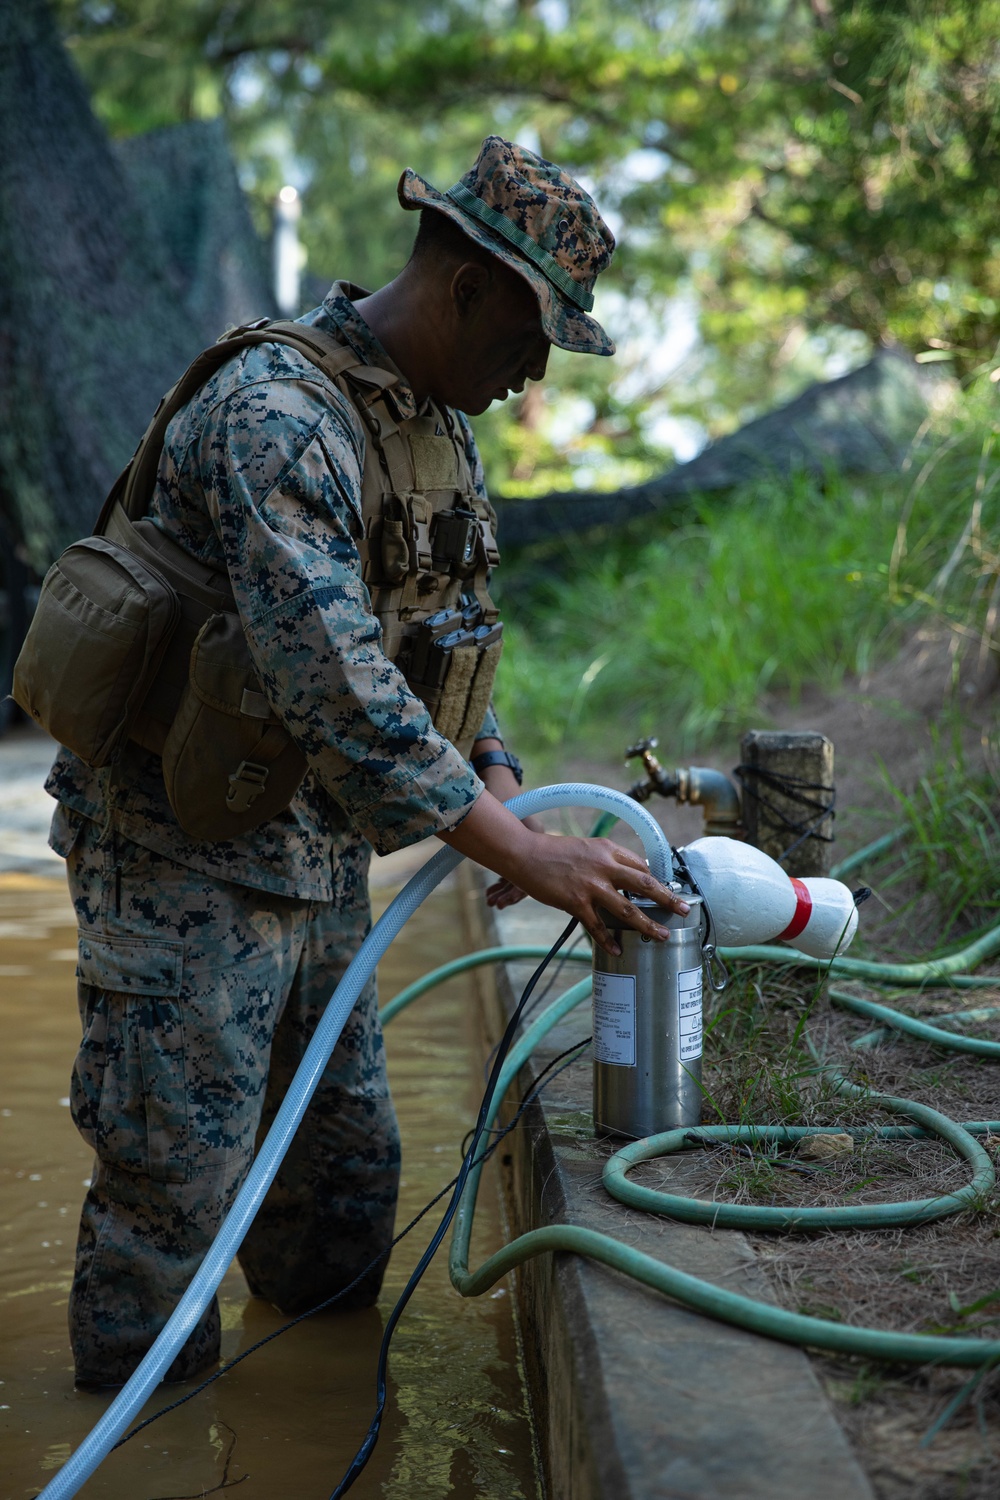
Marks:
<point>791,183</point>
<point>693,624</point>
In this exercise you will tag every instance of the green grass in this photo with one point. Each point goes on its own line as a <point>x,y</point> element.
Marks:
<point>951,851</point>
<point>684,625</point>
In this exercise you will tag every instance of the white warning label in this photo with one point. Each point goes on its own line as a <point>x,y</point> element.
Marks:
<point>614,1019</point>
<point>689,1013</point>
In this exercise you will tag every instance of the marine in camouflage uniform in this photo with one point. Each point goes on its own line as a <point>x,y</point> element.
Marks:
<point>204,966</point>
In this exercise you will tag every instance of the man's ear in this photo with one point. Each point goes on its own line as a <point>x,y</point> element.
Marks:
<point>470,286</point>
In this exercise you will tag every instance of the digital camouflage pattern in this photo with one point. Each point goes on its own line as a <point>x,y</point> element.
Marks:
<point>197,1000</point>
<point>199,992</point>
<point>261,473</point>
<point>538,220</point>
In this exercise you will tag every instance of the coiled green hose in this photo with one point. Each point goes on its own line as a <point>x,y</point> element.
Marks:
<point>703,1296</point>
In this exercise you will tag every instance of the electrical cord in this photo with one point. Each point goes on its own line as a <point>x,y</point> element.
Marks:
<point>692,1291</point>
<point>548,1075</point>
<point>567,955</point>
<point>484,1118</point>
<point>705,1297</point>
<point>743,1311</point>
<point>194,1301</point>
<point>578,1049</point>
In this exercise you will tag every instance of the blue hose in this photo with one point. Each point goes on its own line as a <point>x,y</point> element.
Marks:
<point>185,1318</point>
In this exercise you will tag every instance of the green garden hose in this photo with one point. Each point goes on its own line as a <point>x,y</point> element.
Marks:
<point>880,1033</point>
<point>757,1216</point>
<point>457,966</point>
<point>862,856</point>
<point>703,1296</point>
<point>896,1020</point>
<point>692,1291</point>
<point>948,970</point>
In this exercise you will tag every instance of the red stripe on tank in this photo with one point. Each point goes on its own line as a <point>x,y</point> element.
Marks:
<point>803,911</point>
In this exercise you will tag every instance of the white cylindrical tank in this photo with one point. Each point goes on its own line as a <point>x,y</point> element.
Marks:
<point>752,900</point>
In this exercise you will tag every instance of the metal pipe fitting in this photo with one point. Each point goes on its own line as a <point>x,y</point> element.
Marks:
<point>699,785</point>
<point>716,794</point>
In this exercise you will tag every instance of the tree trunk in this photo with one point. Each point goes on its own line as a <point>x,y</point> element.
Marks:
<point>93,327</point>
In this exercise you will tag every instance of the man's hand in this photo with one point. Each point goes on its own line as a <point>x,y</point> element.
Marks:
<point>576,875</point>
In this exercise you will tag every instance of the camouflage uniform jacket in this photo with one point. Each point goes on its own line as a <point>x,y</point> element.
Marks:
<point>261,472</point>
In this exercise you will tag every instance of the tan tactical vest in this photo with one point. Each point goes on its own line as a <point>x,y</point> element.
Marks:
<point>228,763</point>
<point>428,552</point>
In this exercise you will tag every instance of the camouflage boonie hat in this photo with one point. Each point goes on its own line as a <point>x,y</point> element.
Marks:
<point>533,216</point>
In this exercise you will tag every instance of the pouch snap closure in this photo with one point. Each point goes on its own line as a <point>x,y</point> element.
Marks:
<point>245,786</point>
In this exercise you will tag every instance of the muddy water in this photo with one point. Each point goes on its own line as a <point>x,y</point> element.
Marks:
<point>287,1421</point>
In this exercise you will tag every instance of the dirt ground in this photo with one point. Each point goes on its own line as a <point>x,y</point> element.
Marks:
<point>886,728</point>
<point>937,1278</point>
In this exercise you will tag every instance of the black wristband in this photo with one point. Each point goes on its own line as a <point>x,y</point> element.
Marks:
<point>498,758</point>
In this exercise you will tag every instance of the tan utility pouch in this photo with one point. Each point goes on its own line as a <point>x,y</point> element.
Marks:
<point>228,762</point>
<point>105,659</point>
<point>103,621</point>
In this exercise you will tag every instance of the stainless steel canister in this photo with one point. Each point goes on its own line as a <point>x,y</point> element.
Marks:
<point>647,1027</point>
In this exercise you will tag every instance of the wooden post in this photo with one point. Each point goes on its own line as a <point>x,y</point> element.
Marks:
<point>802,765</point>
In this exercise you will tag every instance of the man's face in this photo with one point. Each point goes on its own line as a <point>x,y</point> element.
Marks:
<point>498,344</point>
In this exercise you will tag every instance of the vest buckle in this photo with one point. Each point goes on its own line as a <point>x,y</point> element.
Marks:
<point>245,786</point>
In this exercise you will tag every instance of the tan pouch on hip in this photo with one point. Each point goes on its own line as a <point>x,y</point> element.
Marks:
<point>103,620</point>
<point>228,762</point>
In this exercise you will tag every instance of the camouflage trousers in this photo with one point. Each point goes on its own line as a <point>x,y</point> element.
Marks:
<point>197,1000</point>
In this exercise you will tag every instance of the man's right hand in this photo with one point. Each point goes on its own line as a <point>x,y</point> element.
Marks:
<point>575,875</point>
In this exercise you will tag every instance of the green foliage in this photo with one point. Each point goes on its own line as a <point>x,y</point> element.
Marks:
<point>684,628</point>
<point>534,450</point>
<point>812,177</point>
<point>952,848</point>
<point>779,586</point>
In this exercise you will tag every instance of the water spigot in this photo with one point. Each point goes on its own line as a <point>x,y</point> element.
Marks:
<point>657,779</point>
<point>698,785</point>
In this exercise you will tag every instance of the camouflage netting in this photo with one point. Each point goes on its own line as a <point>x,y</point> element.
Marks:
<point>115,268</point>
<point>186,180</point>
<point>861,423</point>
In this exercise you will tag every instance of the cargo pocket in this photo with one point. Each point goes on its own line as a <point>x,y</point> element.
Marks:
<point>129,1090</point>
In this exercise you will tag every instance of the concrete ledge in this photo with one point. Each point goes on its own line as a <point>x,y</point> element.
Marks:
<point>636,1398</point>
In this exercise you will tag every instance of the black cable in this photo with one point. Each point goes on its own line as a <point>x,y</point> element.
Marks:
<point>501,1130</point>
<point>367,1447</point>
<point>552,1068</point>
<point>553,977</point>
<point>539,998</point>
<point>794,789</point>
<point>550,1071</point>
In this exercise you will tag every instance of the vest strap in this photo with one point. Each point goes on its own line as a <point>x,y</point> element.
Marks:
<point>321,349</point>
